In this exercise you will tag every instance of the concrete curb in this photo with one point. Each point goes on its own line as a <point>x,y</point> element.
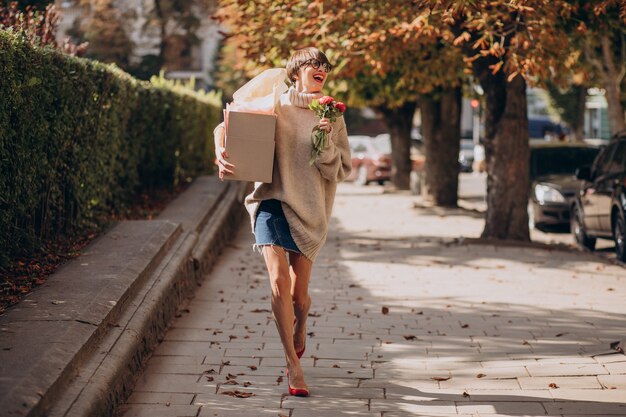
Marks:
<point>93,380</point>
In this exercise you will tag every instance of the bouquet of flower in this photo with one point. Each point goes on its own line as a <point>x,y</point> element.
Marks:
<point>325,107</point>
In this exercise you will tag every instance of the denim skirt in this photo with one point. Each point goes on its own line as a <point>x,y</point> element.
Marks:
<point>271,227</point>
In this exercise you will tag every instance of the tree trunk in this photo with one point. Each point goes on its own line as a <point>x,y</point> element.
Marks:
<point>615,110</point>
<point>506,156</point>
<point>613,75</point>
<point>578,124</point>
<point>399,121</point>
<point>441,128</point>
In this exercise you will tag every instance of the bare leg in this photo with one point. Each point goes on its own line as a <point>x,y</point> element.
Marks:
<point>282,309</point>
<point>300,272</point>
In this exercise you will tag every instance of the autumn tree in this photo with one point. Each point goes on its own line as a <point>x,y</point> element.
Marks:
<point>598,29</point>
<point>177,18</point>
<point>108,41</point>
<point>506,44</point>
<point>378,63</point>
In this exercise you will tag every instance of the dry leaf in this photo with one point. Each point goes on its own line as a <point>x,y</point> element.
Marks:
<point>385,310</point>
<point>226,363</point>
<point>464,326</point>
<point>465,394</point>
<point>279,380</point>
<point>440,378</point>
<point>553,385</point>
<point>260,310</point>
<point>210,371</point>
<point>247,384</point>
<point>410,337</point>
<point>231,376</point>
<point>239,394</point>
<point>336,366</point>
<point>231,382</point>
<point>210,378</point>
<point>481,376</point>
<point>561,334</point>
<point>252,367</point>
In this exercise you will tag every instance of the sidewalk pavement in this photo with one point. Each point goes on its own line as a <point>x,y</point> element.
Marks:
<point>407,320</point>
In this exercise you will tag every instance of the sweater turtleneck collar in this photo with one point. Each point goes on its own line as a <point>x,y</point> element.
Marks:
<point>300,99</point>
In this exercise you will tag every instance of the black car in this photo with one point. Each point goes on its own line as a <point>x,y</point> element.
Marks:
<point>599,209</point>
<point>553,180</point>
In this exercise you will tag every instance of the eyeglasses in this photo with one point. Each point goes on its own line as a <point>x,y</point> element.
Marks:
<point>316,63</point>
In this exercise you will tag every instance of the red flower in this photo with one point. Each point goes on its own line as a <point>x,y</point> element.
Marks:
<point>326,100</point>
<point>340,106</point>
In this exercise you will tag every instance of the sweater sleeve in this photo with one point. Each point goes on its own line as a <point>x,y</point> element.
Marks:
<point>335,161</point>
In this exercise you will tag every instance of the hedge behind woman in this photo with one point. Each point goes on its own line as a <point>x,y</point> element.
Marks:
<point>290,215</point>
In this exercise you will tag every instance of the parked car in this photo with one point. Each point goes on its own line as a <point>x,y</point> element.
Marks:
<point>553,180</point>
<point>371,159</point>
<point>599,209</point>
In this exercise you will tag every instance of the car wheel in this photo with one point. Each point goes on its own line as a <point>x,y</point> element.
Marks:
<point>619,235</point>
<point>578,230</point>
<point>361,177</point>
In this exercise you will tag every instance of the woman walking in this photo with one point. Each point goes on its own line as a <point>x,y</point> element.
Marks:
<point>290,215</point>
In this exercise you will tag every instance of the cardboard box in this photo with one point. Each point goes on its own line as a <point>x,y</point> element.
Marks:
<point>250,145</point>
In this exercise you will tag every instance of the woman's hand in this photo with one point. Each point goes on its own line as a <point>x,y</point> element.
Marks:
<point>223,165</point>
<point>326,125</point>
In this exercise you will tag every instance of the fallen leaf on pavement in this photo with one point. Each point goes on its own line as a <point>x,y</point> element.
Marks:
<point>231,382</point>
<point>336,366</point>
<point>239,394</point>
<point>465,394</point>
<point>410,337</point>
<point>260,310</point>
<point>385,310</point>
<point>553,385</point>
<point>440,378</point>
<point>481,376</point>
<point>254,368</point>
<point>210,378</point>
<point>279,380</point>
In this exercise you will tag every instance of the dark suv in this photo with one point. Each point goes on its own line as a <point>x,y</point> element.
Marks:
<point>599,208</point>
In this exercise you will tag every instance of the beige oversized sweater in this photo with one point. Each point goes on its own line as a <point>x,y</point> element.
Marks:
<point>307,192</point>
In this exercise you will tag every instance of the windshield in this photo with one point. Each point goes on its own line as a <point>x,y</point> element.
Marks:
<point>551,161</point>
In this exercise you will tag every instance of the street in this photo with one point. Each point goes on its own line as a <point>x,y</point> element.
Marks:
<point>407,320</point>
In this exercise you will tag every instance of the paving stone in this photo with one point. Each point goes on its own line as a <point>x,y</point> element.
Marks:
<point>160,398</point>
<point>587,382</point>
<point>504,408</point>
<point>590,395</point>
<point>582,407</point>
<point>616,368</point>
<point>431,407</point>
<point>160,410</point>
<point>613,381</point>
<point>570,369</point>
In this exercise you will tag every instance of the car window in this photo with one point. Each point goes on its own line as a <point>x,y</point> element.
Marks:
<point>600,165</point>
<point>559,160</point>
<point>617,164</point>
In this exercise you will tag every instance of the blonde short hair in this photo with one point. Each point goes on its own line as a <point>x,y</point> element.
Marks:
<point>300,57</point>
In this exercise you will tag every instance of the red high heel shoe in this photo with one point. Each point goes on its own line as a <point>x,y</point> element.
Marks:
<point>297,392</point>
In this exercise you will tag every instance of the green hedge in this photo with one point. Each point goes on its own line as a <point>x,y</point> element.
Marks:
<point>79,139</point>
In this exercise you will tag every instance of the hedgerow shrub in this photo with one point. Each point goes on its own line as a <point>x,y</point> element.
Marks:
<point>79,139</point>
